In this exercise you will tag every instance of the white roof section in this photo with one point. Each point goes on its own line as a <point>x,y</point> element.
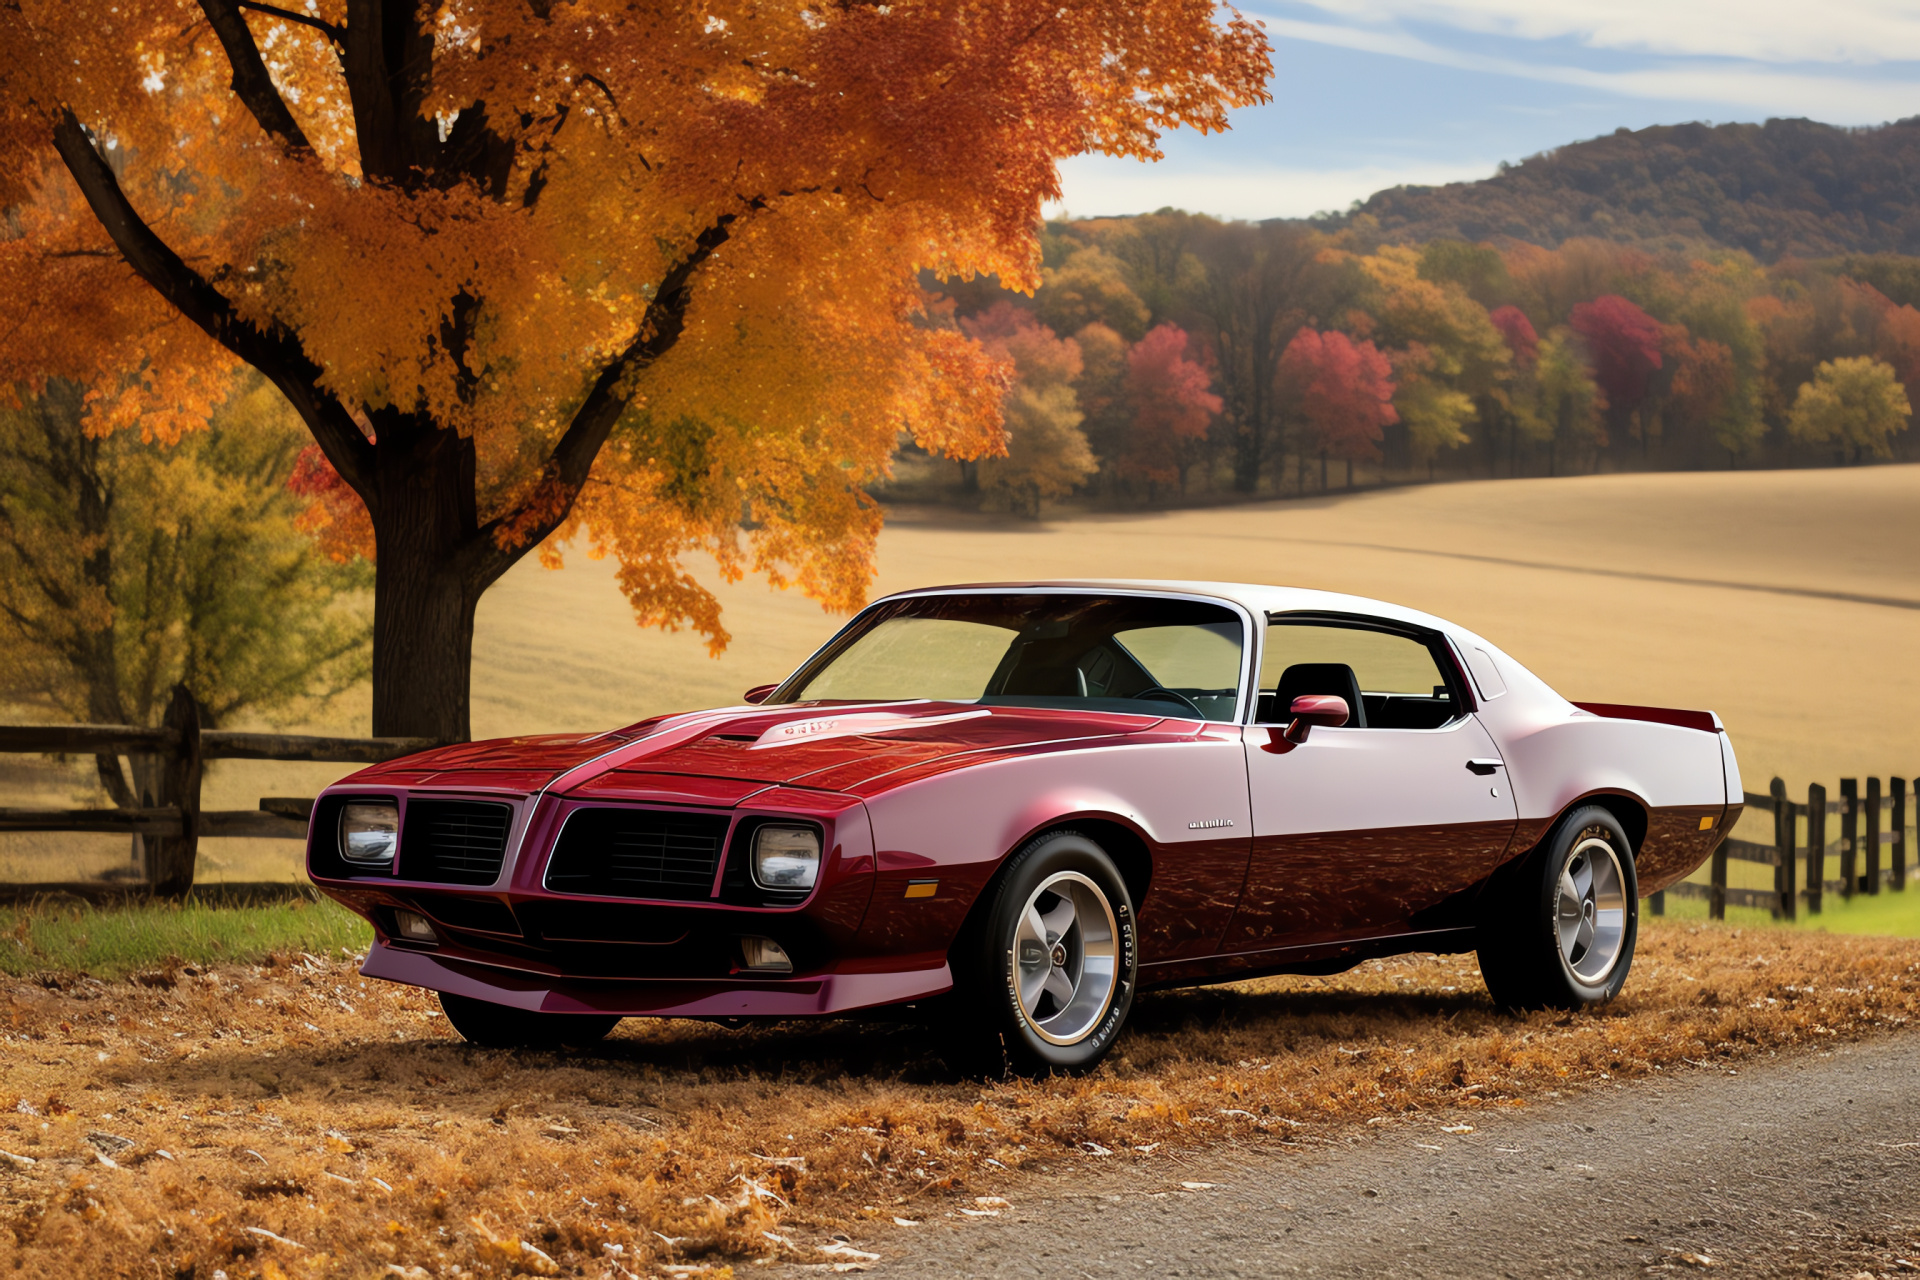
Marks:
<point>1255,598</point>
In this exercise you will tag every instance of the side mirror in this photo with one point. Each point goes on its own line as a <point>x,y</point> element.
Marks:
<point>760,692</point>
<point>1315,709</point>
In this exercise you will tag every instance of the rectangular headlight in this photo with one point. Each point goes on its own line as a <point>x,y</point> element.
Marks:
<point>369,831</point>
<point>786,857</point>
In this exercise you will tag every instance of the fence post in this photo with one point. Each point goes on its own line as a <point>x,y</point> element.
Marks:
<point>1899,824</point>
<point>1717,890</point>
<point>1816,846</point>
<point>1871,874</point>
<point>1849,836</point>
<point>1783,842</point>
<point>170,858</point>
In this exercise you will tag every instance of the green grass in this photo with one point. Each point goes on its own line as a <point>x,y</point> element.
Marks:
<point>1890,914</point>
<point>115,941</point>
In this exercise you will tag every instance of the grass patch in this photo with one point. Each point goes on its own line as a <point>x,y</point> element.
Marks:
<point>1887,915</point>
<point>64,937</point>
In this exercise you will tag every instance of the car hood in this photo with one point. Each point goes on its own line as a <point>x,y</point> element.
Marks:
<point>740,750</point>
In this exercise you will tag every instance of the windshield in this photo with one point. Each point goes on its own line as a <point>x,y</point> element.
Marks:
<point>1136,654</point>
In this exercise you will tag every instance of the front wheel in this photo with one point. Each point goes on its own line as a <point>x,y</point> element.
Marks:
<point>499,1026</point>
<point>1562,934</point>
<point>1050,978</point>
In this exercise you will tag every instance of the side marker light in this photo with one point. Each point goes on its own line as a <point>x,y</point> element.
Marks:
<point>922,888</point>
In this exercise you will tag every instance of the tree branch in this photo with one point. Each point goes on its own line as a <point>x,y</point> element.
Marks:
<point>573,454</point>
<point>277,354</point>
<point>321,25</point>
<point>251,83</point>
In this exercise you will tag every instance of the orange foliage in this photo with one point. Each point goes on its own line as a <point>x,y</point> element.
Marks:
<point>655,265</point>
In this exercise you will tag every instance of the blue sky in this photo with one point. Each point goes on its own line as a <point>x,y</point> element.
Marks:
<point>1372,93</point>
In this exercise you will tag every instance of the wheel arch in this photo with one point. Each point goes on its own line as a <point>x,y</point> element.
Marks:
<point>1629,811</point>
<point>1131,853</point>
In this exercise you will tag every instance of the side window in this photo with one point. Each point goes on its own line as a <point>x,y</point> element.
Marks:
<point>1394,677</point>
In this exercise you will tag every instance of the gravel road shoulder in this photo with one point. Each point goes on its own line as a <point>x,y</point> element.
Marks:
<point>1804,1165</point>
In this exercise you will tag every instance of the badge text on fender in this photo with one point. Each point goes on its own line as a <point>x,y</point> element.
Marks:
<point>1209,824</point>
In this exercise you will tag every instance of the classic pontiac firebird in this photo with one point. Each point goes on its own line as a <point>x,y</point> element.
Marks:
<point>1025,803</point>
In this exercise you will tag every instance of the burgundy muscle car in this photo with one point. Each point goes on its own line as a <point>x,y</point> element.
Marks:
<point>1023,804</point>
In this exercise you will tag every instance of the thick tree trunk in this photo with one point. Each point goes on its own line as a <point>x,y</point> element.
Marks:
<point>424,593</point>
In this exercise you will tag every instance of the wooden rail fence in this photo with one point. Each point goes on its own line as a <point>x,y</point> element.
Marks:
<point>173,821</point>
<point>1867,853</point>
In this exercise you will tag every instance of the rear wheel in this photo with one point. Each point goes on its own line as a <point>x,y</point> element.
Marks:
<point>499,1026</point>
<point>1048,981</point>
<point>1561,935</point>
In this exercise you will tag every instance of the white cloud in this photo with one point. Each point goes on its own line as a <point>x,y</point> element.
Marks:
<point>1750,86</point>
<point>1099,186</point>
<point>1858,31</point>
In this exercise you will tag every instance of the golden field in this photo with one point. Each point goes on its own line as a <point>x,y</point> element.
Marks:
<point>1681,589</point>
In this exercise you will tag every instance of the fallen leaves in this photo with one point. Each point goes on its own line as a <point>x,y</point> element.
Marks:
<point>680,1148</point>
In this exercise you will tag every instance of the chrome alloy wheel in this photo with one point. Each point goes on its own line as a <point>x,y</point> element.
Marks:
<point>1590,911</point>
<point>1065,957</point>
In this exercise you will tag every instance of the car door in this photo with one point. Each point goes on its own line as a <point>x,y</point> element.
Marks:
<point>1385,825</point>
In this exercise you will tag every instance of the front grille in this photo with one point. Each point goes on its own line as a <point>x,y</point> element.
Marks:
<point>637,853</point>
<point>454,841</point>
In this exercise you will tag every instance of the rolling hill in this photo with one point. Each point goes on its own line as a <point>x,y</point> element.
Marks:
<point>1784,188</point>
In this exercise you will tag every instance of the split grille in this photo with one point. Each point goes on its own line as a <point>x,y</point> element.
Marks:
<point>638,853</point>
<point>454,841</point>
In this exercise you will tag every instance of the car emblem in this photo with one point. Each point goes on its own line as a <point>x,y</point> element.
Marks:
<point>1208,824</point>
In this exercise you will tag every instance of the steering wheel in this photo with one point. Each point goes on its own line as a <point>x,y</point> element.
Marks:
<point>1160,693</point>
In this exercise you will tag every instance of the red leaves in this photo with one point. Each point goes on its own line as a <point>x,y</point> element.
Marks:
<point>1518,333</point>
<point>1624,344</point>
<point>335,517</point>
<point>1172,406</point>
<point>1345,391</point>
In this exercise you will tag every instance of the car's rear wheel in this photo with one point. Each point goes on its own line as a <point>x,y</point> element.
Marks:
<point>1561,935</point>
<point>499,1026</point>
<point>1047,982</point>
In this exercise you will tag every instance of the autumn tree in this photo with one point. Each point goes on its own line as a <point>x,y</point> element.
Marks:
<point>1854,403</point>
<point>1344,390</point>
<point>130,566</point>
<point>1172,407</point>
<point>1450,364</point>
<point>1564,406</point>
<point>1102,394</point>
<point>1046,453</point>
<point>1091,288</point>
<point>526,269</point>
<point>1523,343</point>
<point>1624,345</point>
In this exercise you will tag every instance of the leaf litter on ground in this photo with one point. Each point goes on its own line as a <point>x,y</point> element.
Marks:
<point>299,1102</point>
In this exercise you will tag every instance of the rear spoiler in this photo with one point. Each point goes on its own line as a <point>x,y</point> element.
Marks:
<point>1705,721</point>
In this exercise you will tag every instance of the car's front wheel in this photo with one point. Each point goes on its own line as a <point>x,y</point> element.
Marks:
<point>499,1026</point>
<point>1561,935</point>
<point>1050,977</point>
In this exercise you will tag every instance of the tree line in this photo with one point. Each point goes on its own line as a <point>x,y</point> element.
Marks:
<point>1174,353</point>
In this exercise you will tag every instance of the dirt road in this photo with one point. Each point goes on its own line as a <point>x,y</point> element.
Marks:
<point>1806,1165</point>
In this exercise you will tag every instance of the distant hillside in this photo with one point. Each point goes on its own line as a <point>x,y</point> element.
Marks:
<point>1788,187</point>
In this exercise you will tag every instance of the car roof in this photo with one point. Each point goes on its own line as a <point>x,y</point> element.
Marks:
<point>1256,598</point>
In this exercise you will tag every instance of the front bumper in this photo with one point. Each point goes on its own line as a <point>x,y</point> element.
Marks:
<point>813,995</point>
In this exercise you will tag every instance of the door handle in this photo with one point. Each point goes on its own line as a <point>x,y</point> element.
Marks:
<point>1484,767</point>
